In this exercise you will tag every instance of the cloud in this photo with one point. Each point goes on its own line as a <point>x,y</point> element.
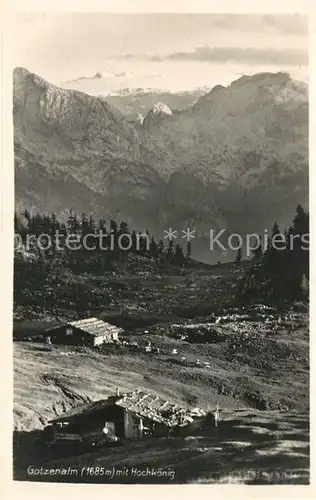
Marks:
<point>290,24</point>
<point>248,55</point>
<point>281,24</point>
<point>99,75</point>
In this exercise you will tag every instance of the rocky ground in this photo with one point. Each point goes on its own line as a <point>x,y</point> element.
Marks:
<point>138,294</point>
<point>248,447</point>
<point>253,362</point>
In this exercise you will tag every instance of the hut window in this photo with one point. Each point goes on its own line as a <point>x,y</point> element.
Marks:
<point>68,331</point>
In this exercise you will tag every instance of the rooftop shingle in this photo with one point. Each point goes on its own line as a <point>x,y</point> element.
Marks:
<point>139,402</point>
<point>95,326</point>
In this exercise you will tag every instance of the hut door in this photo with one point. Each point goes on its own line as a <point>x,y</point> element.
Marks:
<point>109,428</point>
<point>137,429</point>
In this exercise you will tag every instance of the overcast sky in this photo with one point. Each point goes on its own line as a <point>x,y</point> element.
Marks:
<point>168,51</point>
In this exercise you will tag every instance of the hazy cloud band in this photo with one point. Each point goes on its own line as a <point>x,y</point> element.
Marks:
<point>248,55</point>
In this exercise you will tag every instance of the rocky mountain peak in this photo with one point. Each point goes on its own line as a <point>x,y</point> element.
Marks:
<point>160,108</point>
<point>158,112</point>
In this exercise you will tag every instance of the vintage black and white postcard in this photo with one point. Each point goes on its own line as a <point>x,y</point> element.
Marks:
<point>161,247</point>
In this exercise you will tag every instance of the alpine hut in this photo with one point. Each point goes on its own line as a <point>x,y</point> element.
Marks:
<point>89,332</point>
<point>132,415</point>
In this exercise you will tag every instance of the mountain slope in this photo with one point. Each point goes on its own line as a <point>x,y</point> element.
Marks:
<point>60,132</point>
<point>256,112</point>
<point>248,143</point>
<point>236,159</point>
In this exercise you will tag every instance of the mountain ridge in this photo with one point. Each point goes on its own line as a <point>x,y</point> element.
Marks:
<point>236,158</point>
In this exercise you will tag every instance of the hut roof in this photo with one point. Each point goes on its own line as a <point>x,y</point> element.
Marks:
<point>139,402</point>
<point>84,410</point>
<point>95,326</point>
<point>152,407</point>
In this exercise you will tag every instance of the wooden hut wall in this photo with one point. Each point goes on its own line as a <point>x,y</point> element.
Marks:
<point>78,337</point>
<point>97,420</point>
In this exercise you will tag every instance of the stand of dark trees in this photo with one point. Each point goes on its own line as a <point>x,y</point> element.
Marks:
<point>85,244</point>
<point>280,272</point>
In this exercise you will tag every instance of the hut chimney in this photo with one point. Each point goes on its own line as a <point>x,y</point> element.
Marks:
<point>117,391</point>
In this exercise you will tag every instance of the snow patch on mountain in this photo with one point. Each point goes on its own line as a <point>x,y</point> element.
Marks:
<point>156,113</point>
<point>160,108</point>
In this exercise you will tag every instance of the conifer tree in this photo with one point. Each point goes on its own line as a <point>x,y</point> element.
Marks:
<point>257,252</point>
<point>72,225</point>
<point>189,249</point>
<point>123,228</point>
<point>153,248</point>
<point>170,250</point>
<point>178,255</point>
<point>238,256</point>
<point>91,225</point>
<point>161,247</point>
<point>134,241</point>
<point>84,225</point>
